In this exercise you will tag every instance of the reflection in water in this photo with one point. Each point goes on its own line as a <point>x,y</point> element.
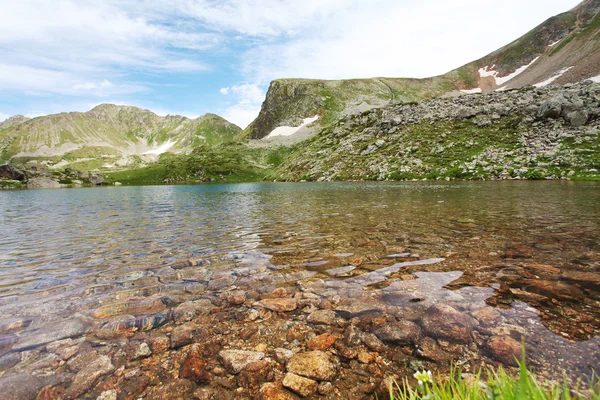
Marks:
<point>520,258</point>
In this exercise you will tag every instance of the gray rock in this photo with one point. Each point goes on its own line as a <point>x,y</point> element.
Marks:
<point>52,332</point>
<point>465,113</point>
<point>236,360</point>
<point>19,386</point>
<point>401,333</point>
<point>42,182</point>
<point>577,118</point>
<point>96,179</point>
<point>108,395</point>
<point>373,342</point>
<point>353,336</point>
<point>88,375</point>
<point>551,108</point>
<point>283,355</point>
<point>10,172</point>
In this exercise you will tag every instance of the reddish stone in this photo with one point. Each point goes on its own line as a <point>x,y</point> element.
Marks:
<point>279,305</point>
<point>194,367</point>
<point>321,342</point>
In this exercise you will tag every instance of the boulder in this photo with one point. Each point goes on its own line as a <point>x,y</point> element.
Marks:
<point>42,182</point>
<point>444,322</point>
<point>96,179</point>
<point>401,333</point>
<point>577,118</point>
<point>10,172</point>
<point>551,108</point>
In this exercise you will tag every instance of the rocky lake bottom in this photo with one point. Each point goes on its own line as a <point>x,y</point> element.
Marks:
<point>280,291</point>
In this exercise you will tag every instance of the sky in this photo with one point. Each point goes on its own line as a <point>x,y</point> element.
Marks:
<point>190,57</point>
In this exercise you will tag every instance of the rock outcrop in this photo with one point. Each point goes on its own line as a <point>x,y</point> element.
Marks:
<point>533,133</point>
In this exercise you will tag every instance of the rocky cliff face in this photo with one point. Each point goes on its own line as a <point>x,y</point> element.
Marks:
<point>563,49</point>
<point>549,132</point>
<point>289,101</point>
<point>107,135</point>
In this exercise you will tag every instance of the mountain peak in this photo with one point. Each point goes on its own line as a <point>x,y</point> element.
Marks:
<point>14,120</point>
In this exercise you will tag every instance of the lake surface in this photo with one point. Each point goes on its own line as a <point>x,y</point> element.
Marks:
<point>521,258</point>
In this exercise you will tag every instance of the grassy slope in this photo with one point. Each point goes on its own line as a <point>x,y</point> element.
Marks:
<point>453,149</point>
<point>106,133</point>
<point>228,162</point>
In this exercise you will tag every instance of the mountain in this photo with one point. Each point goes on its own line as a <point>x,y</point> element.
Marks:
<point>528,133</point>
<point>108,135</point>
<point>14,120</point>
<point>563,49</point>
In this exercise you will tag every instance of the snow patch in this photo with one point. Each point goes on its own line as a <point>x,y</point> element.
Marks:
<point>555,43</point>
<point>162,149</point>
<point>472,91</point>
<point>290,130</point>
<point>484,72</point>
<point>552,78</point>
<point>595,79</point>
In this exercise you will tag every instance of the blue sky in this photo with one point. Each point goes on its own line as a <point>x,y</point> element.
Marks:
<point>190,57</point>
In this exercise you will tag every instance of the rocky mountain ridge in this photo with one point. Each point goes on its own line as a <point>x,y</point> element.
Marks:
<point>563,49</point>
<point>108,135</point>
<point>547,132</point>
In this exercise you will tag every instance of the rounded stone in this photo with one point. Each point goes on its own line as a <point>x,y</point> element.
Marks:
<point>444,322</point>
<point>313,364</point>
<point>505,349</point>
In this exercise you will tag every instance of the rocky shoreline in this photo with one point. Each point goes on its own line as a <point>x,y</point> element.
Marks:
<point>12,177</point>
<point>253,330</point>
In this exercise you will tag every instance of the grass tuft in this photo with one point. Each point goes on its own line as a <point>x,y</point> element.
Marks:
<point>499,385</point>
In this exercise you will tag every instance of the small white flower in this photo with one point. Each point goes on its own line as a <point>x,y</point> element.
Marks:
<point>423,377</point>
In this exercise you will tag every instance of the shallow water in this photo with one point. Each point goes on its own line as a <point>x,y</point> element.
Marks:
<point>527,251</point>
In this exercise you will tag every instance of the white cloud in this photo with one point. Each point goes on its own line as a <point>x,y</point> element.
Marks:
<point>393,38</point>
<point>248,98</point>
<point>3,117</point>
<point>40,81</point>
<point>93,85</point>
<point>91,49</point>
<point>77,47</point>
